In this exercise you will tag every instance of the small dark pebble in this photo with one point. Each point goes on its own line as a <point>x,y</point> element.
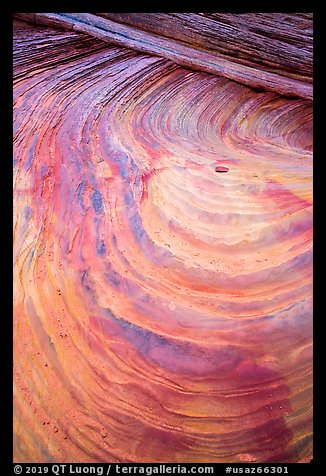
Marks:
<point>221,169</point>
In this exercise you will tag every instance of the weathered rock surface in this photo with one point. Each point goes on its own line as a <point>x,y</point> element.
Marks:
<point>247,50</point>
<point>162,309</point>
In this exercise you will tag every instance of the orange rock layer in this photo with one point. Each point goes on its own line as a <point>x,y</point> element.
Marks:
<point>163,266</point>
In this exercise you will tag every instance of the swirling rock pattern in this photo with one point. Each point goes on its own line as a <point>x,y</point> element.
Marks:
<point>162,244</point>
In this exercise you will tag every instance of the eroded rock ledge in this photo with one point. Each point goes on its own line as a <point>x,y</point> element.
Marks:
<point>162,247</point>
<point>264,51</point>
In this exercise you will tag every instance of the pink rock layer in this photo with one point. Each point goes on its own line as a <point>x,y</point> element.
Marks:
<point>162,311</point>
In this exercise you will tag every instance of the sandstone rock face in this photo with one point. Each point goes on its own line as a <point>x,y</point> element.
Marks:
<point>281,44</point>
<point>261,51</point>
<point>162,239</point>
